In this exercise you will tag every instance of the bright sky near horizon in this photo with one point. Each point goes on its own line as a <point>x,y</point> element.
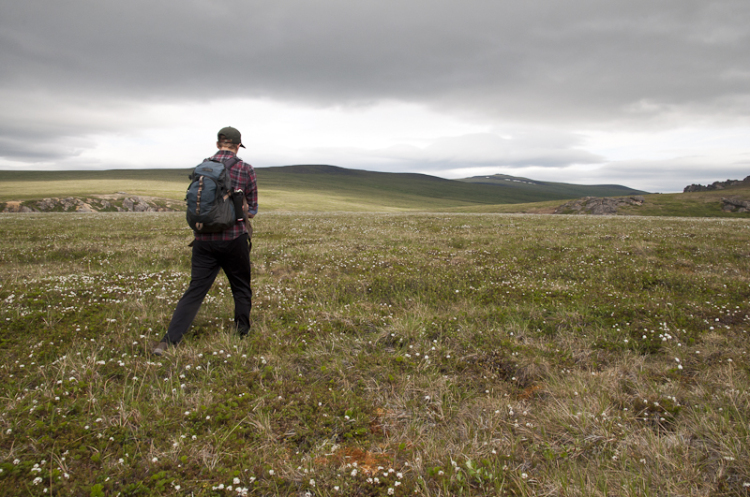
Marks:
<point>653,95</point>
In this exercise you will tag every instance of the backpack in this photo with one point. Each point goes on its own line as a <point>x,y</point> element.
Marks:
<point>210,203</point>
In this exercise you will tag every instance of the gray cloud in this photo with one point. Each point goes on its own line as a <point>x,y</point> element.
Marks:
<point>71,69</point>
<point>581,60</point>
<point>666,176</point>
<point>528,148</point>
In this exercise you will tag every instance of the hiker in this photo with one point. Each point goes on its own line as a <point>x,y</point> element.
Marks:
<point>228,249</point>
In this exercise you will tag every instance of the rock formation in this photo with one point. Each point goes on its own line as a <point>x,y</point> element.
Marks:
<point>598,205</point>
<point>735,205</point>
<point>717,185</point>
<point>102,203</point>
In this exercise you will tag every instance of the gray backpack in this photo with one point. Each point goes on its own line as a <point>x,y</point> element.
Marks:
<point>209,198</point>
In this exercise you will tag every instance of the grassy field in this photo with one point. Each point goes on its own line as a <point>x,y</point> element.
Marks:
<point>26,185</point>
<point>391,354</point>
<point>698,204</point>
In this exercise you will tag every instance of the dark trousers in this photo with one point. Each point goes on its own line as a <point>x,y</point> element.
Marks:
<point>208,257</point>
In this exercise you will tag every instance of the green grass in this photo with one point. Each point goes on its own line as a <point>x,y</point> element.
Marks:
<point>443,354</point>
<point>699,204</point>
<point>696,204</point>
<point>26,185</point>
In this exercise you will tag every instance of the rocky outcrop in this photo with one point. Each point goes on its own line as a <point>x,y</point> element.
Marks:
<point>717,185</point>
<point>16,207</point>
<point>735,205</point>
<point>102,203</point>
<point>598,206</point>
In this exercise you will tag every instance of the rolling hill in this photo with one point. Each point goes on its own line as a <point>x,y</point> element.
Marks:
<point>408,191</point>
<point>303,188</point>
<point>324,188</point>
<point>552,190</point>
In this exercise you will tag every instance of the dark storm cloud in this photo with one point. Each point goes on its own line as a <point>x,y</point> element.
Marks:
<point>575,60</point>
<point>595,64</point>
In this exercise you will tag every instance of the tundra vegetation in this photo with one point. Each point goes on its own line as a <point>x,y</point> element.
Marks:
<point>391,354</point>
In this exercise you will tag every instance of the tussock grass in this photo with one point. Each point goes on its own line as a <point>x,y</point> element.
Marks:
<point>421,354</point>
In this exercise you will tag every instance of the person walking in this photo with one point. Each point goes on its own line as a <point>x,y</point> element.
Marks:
<point>228,250</point>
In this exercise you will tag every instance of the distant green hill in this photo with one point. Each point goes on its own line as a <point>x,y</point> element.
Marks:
<point>310,188</point>
<point>545,190</point>
<point>419,191</point>
<point>303,187</point>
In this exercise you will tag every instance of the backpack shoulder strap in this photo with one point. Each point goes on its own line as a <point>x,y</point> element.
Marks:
<point>229,163</point>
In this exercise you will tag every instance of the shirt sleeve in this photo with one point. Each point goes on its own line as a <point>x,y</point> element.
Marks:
<point>251,192</point>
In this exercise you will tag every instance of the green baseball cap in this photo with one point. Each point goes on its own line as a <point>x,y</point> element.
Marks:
<point>231,134</point>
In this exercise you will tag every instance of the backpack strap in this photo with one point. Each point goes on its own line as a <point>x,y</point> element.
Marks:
<point>230,162</point>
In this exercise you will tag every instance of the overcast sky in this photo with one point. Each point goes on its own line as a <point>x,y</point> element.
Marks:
<point>652,94</point>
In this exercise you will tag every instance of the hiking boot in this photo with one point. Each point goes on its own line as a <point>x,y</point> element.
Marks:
<point>242,332</point>
<point>160,348</point>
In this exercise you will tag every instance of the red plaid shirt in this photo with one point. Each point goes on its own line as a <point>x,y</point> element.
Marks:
<point>242,176</point>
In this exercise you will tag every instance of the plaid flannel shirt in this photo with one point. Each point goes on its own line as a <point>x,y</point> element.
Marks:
<point>242,177</point>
